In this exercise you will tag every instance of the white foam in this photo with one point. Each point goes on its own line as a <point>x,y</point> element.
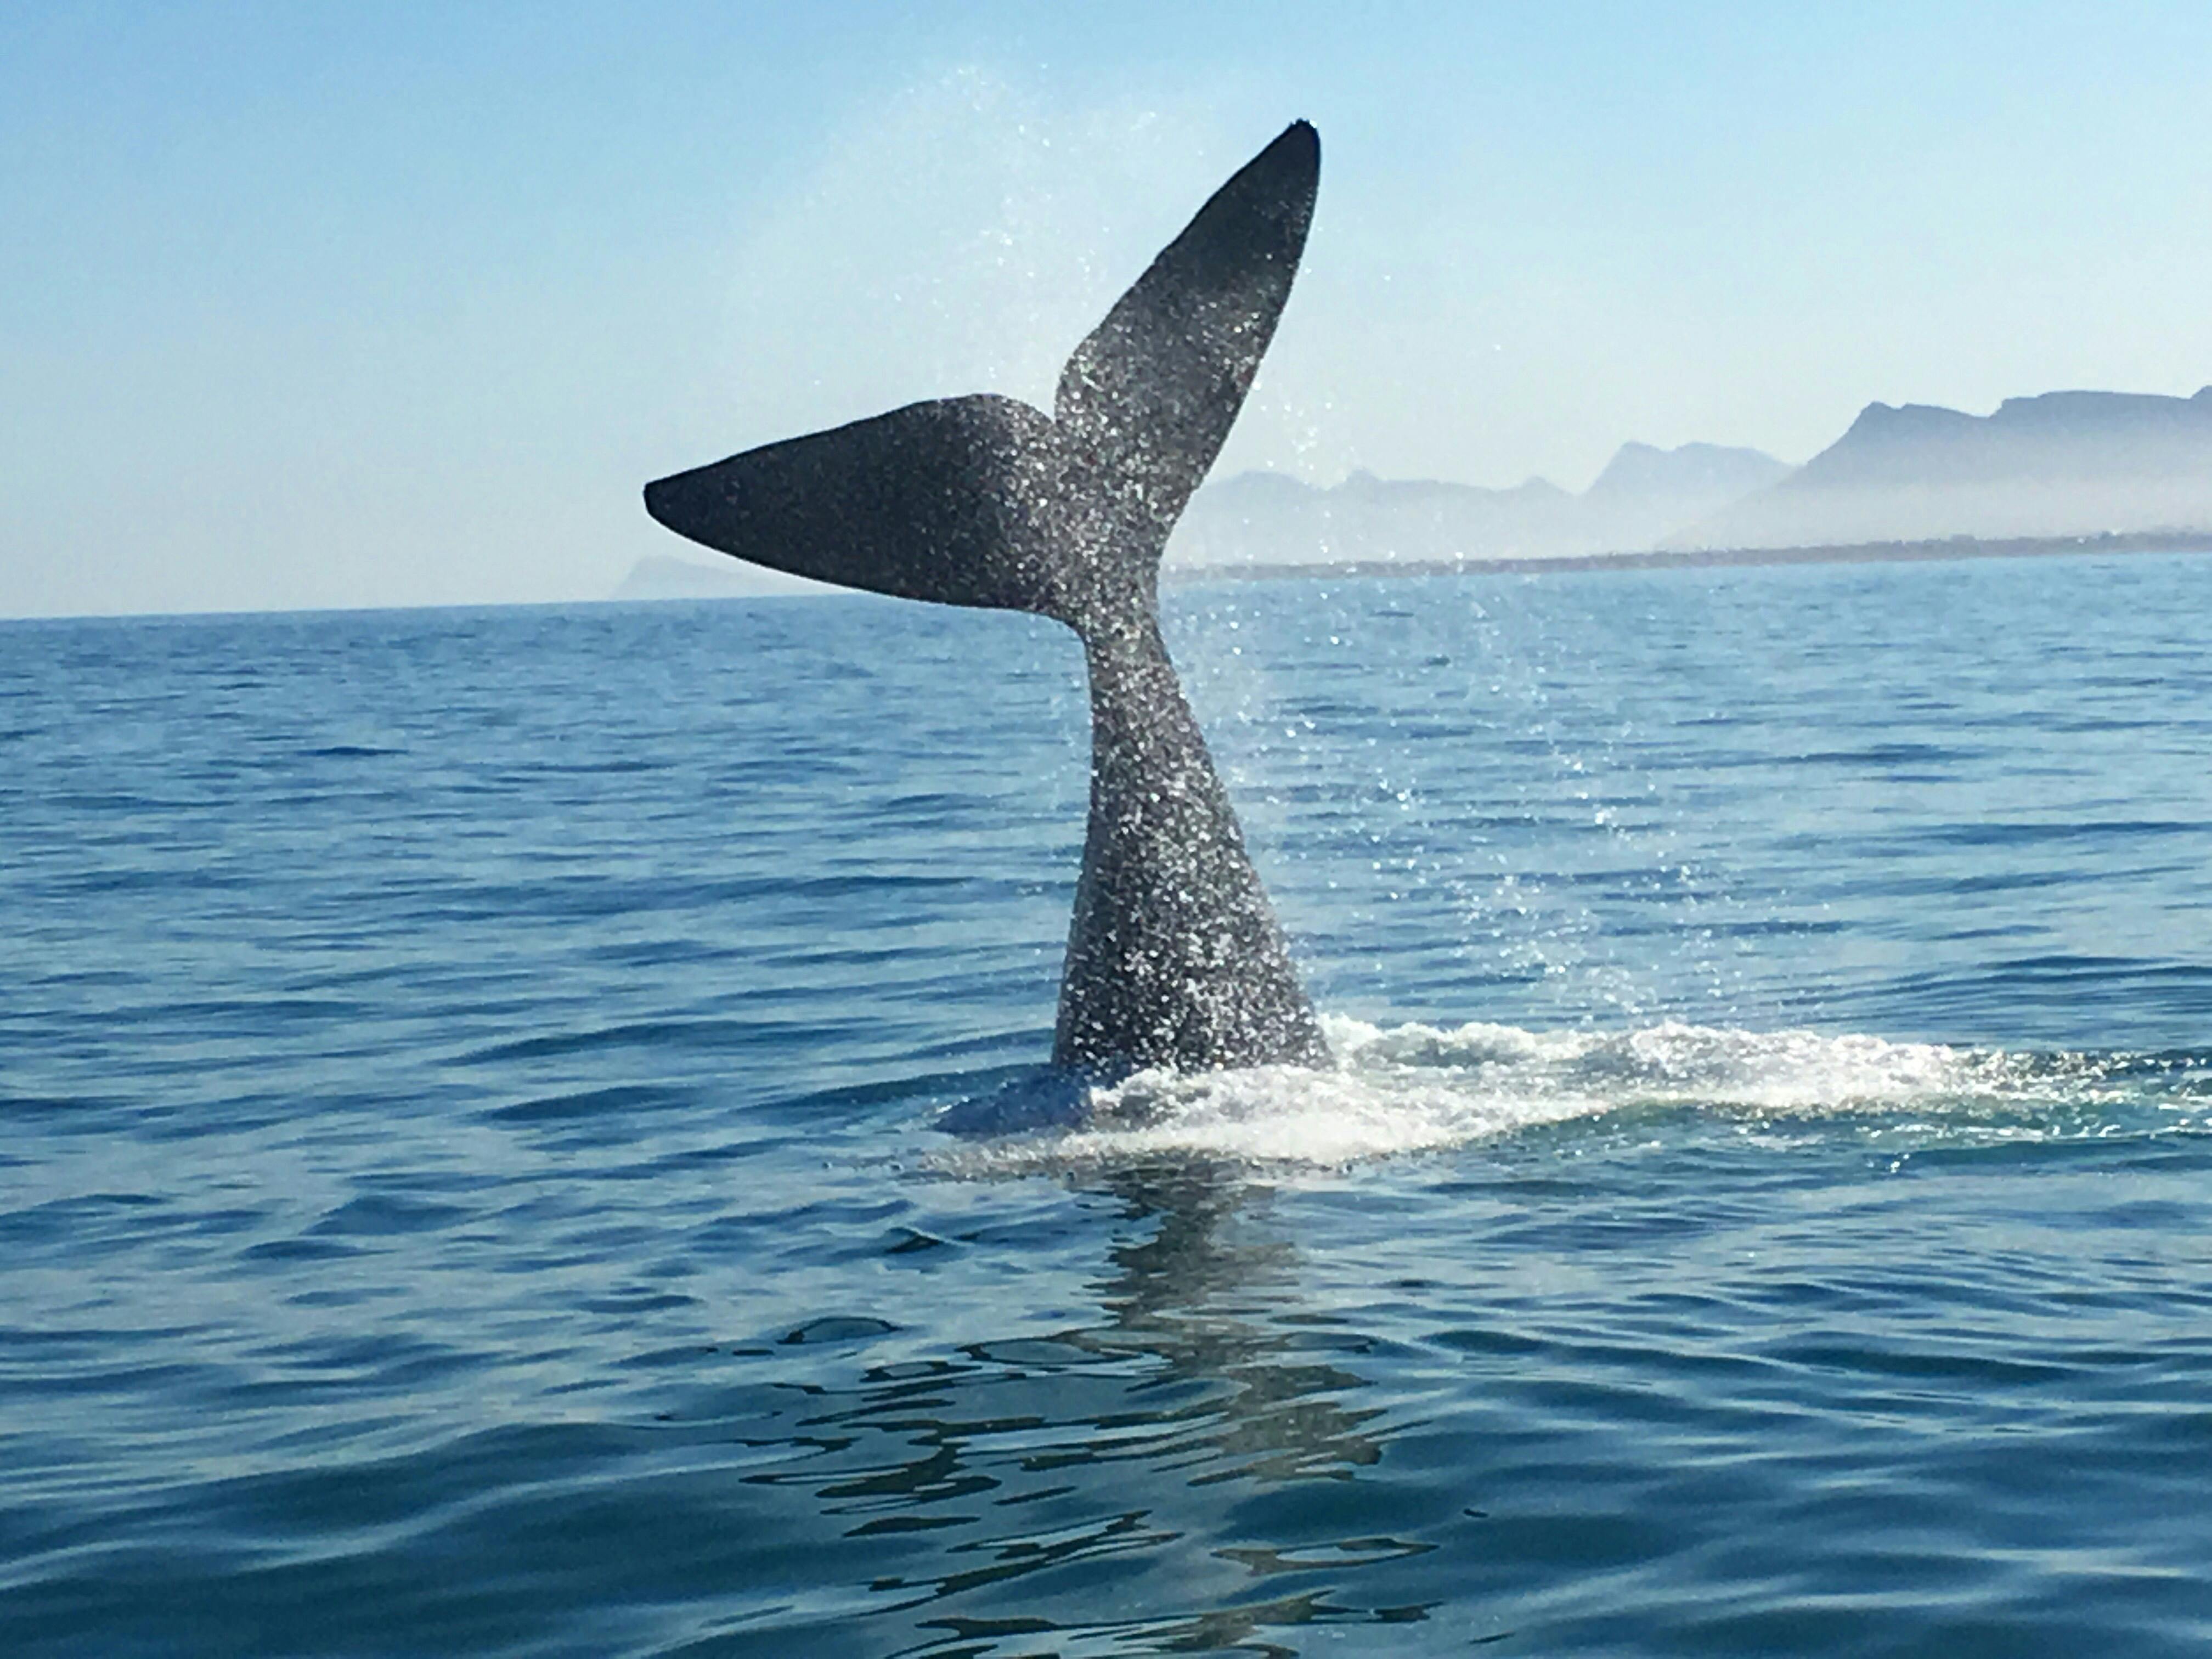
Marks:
<point>1411,1088</point>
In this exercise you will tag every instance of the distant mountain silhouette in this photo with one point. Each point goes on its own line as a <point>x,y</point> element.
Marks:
<point>2063,464</point>
<point>1643,495</point>
<point>1693,472</point>
<point>657,576</point>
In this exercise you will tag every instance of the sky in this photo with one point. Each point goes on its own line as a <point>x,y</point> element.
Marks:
<point>311,307</point>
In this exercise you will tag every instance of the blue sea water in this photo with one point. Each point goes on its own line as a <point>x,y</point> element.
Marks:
<point>469,1181</point>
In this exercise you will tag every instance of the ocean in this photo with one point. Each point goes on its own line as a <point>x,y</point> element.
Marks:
<point>470,1181</point>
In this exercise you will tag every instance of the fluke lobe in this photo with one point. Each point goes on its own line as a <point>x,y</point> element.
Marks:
<point>1174,955</point>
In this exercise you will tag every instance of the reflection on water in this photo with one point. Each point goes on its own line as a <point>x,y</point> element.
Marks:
<point>1215,1303</point>
<point>1134,1463</point>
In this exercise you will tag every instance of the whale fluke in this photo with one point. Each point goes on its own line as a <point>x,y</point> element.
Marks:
<point>1174,954</point>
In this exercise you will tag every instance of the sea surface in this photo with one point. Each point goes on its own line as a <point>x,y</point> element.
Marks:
<point>470,1179</point>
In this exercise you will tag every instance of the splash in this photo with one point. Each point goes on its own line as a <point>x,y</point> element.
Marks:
<point>1415,1088</point>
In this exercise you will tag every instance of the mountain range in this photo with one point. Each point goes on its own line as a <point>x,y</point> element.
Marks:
<point>1643,495</point>
<point>2067,463</point>
<point>2062,466</point>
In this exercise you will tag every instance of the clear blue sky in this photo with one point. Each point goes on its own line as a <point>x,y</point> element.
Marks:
<point>396,304</point>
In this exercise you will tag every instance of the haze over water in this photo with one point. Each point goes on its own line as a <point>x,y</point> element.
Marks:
<point>470,1183</point>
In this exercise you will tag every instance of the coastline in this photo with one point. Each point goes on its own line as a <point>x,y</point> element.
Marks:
<point>1952,547</point>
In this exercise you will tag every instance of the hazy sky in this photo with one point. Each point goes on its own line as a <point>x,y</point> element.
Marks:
<point>396,304</point>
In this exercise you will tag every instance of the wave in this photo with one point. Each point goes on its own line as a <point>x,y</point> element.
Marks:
<point>1414,1088</point>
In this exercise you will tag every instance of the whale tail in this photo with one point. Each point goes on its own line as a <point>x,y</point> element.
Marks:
<point>985,501</point>
<point>1174,955</point>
